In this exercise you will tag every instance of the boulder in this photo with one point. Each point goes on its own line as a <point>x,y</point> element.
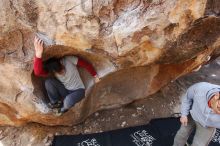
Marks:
<point>136,46</point>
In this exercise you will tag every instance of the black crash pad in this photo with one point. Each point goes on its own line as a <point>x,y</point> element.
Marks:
<point>158,132</point>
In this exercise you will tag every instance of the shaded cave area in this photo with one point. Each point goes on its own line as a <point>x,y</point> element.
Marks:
<point>101,64</point>
<point>39,88</point>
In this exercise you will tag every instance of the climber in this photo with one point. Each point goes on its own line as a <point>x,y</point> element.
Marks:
<point>200,109</point>
<point>64,86</point>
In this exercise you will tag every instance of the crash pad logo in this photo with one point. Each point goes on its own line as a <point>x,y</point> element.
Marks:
<point>142,138</point>
<point>216,137</point>
<point>89,142</point>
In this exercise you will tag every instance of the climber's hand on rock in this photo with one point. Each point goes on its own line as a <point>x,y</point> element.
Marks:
<point>38,46</point>
<point>97,79</point>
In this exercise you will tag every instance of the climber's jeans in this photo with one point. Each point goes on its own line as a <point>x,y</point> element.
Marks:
<point>202,136</point>
<point>56,91</point>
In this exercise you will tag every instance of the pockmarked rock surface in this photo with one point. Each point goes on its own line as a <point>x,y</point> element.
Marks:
<point>136,46</point>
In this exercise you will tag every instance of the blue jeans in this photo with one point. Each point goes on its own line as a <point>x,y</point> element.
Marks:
<point>202,136</point>
<point>56,91</point>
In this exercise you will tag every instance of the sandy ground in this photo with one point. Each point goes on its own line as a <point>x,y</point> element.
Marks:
<point>162,104</point>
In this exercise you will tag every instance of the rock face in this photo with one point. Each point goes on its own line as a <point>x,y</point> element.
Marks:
<point>136,46</point>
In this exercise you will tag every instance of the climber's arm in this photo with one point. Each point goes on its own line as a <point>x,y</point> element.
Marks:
<point>89,68</point>
<point>38,63</point>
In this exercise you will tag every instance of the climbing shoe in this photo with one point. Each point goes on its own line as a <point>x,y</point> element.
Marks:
<point>55,105</point>
<point>59,111</point>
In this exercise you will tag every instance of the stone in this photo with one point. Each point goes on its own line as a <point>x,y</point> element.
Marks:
<point>137,47</point>
<point>123,124</point>
<point>96,114</point>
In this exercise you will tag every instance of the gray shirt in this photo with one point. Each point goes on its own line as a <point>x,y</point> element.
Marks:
<point>71,78</point>
<point>195,102</point>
